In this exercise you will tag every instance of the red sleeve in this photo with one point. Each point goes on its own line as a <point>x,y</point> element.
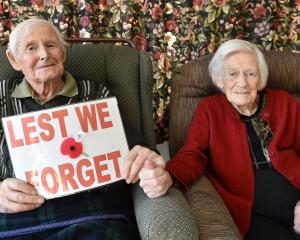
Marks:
<point>297,130</point>
<point>190,161</point>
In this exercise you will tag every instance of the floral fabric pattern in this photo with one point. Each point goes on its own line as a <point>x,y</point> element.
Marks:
<point>264,133</point>
<point>173,32</point>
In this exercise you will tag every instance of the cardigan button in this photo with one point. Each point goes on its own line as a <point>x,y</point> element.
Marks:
<point>291,178</point>
<point>266,115</point>
<point>271,153</point>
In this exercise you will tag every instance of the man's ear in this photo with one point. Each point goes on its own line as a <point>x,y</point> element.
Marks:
<point>65,57</point>
<point>65,54</point>
<point>13,61</point>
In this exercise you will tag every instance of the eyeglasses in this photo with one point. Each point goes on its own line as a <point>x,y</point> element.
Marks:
<point>234,75</point>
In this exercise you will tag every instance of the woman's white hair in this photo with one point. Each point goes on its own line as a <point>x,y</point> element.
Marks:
<point>18,32</point>
<point>230,47</point>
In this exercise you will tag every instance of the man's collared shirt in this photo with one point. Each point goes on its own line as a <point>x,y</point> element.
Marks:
<point>24,90</point>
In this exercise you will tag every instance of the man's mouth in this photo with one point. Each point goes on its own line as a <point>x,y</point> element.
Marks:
<point>46,66</point>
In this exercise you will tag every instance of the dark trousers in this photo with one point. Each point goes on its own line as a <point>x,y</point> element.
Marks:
<point>90,230</point>
<point>263,228</point>
<point>273,209</point>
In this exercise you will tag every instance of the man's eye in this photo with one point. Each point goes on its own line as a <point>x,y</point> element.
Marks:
<point>51,45</point>
<point>233,74</point>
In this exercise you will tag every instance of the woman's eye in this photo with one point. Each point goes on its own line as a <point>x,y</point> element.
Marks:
<point>251,74</point>
<point>31,49</point>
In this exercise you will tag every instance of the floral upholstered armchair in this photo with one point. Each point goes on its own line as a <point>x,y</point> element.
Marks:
<point>190,84</point>
<point>128,74</point>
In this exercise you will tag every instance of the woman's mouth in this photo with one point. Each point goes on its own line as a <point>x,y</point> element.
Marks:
<point>242,93</point>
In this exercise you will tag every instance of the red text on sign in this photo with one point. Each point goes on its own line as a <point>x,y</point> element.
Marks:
<point>87,116</point>
<point>30,134</point>
<point>85,174</point>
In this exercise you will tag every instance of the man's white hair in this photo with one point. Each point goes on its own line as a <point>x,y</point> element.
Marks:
<point>18,32</point>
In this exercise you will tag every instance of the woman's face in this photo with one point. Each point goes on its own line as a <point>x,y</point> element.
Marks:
<point>40,56</point>
<point>240,81</point>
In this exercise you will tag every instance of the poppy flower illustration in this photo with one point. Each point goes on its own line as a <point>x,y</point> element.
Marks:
<point>70,147</point>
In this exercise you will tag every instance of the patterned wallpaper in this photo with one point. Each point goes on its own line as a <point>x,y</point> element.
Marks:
<point>173,32</point>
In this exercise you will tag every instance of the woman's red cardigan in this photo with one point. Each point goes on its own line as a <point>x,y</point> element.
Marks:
<point>217,145</point>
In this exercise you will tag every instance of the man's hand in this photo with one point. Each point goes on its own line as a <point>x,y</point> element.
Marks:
<point>154,180</point>
<point>135,161</point>
<point>297,218</point>
<point>18,196</point>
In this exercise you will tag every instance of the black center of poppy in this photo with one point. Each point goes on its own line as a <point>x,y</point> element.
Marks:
<point>72,148</point>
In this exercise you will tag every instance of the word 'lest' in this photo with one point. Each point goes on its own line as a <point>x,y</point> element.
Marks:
<point>93,115</point>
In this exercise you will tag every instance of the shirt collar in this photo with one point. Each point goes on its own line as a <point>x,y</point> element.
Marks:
<point>70,89</point>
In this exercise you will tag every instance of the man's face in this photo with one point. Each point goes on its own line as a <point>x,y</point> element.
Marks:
<point>40,56</point>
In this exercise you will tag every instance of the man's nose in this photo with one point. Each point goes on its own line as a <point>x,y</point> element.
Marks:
<point>43,52</point>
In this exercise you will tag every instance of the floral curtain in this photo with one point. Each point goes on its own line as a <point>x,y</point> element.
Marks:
<point>173,32</point>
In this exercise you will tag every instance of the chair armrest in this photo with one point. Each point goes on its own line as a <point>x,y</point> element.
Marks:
<point>166,217</point>
<point>214,219</point>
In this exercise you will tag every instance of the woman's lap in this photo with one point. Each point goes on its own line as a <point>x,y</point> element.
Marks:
<point>90,230</point>
<point>263,228</point>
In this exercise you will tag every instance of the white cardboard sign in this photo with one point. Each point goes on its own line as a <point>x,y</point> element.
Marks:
<point>68,149</point>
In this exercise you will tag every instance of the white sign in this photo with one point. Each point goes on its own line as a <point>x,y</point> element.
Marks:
<point>68,149</point>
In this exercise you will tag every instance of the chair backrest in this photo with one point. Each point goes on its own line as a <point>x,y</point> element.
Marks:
<point>191,83</point>
<point>125,71</point>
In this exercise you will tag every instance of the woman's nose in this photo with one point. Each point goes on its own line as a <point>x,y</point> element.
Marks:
<point>242,80</point>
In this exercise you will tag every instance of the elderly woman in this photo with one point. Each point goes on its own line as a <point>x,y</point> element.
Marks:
<point>38,50</point>
<point>247,141</point>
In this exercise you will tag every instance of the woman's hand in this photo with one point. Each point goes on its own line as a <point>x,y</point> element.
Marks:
<point>135,161</point>
<point>148,166</point>
<point>297,218</point>
<point>154,180</point>
<point>18,196</point>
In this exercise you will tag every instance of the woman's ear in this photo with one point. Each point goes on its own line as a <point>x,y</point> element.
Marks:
<point>218,79</point>
<point>13,61</point>
<point>220,83</point>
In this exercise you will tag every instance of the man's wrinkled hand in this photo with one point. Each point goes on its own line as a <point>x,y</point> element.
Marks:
<point>135,161</point>
<point>18,196</point>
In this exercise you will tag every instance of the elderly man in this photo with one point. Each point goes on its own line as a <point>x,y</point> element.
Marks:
<point>38,50</point>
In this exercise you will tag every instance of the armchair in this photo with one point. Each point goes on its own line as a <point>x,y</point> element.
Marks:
<point>190,84</point>
<point>128,74</point>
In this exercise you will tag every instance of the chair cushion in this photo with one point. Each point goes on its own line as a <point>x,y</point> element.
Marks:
<point>214,219</point>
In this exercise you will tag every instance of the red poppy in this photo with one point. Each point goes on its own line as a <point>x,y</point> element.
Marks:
<point>70,147</point>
